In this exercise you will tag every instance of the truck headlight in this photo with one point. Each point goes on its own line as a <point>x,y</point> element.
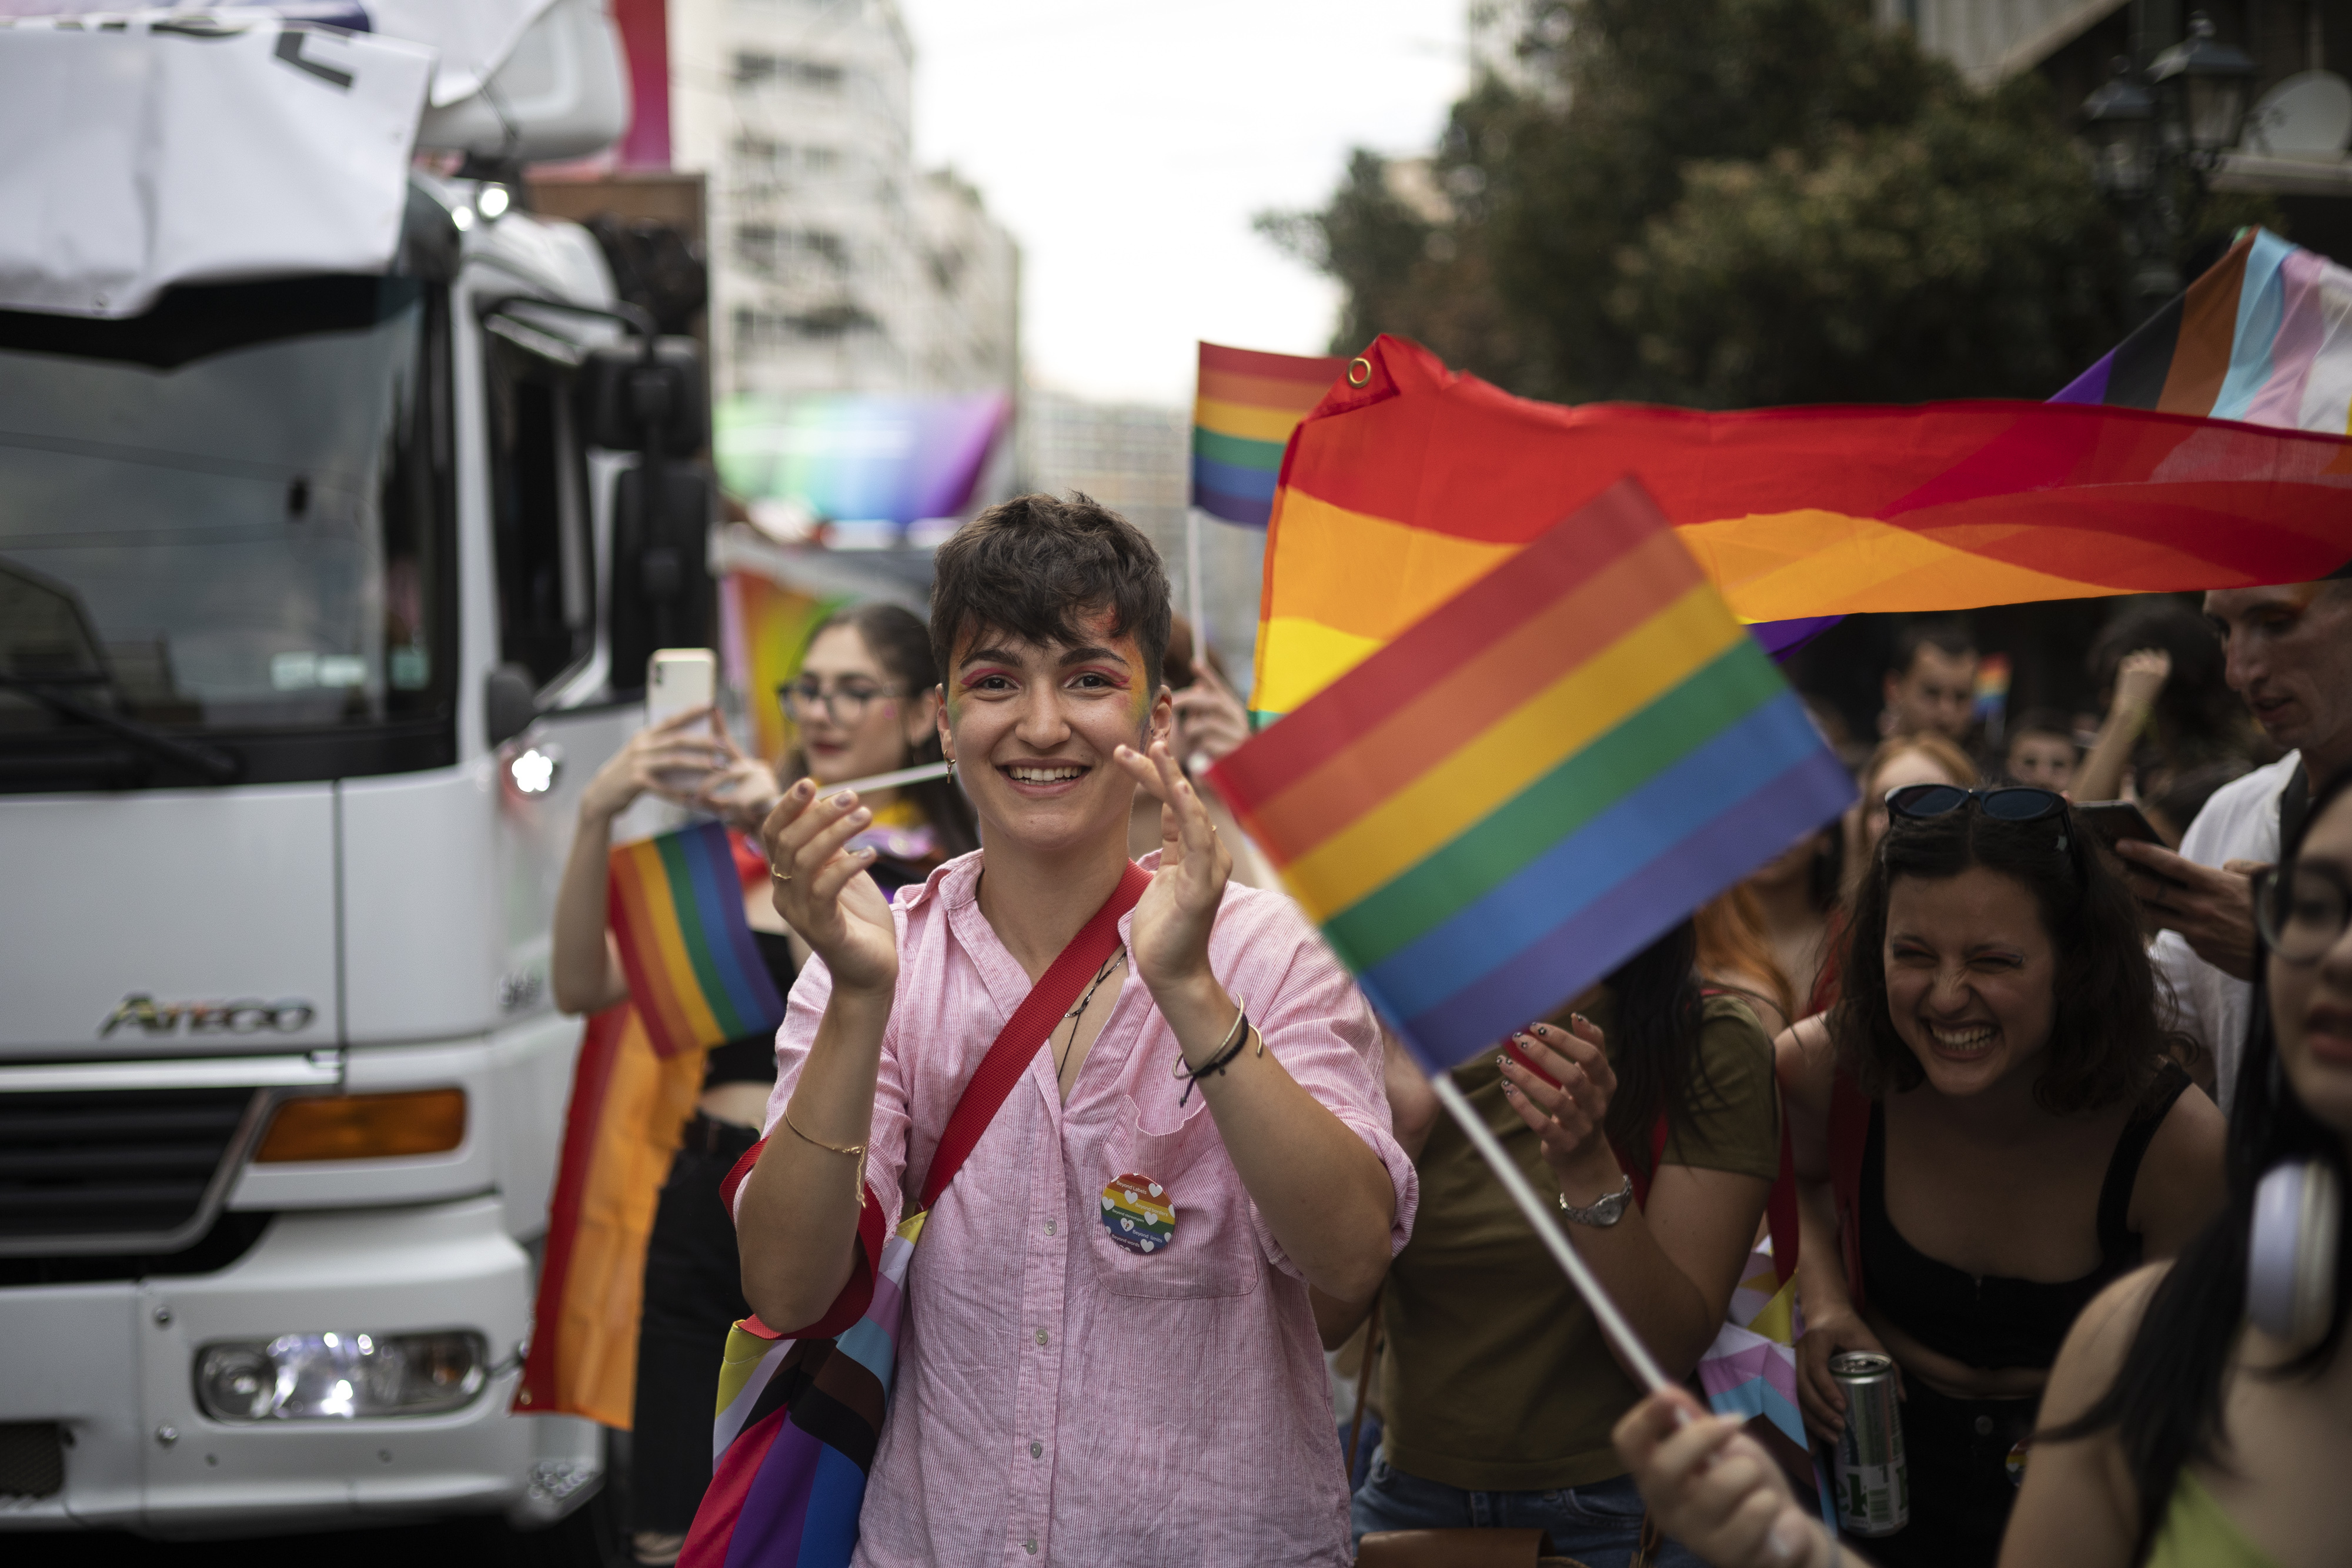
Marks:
<point>334,1376</point>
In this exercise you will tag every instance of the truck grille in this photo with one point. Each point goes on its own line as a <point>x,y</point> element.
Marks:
<point>116,1169</point>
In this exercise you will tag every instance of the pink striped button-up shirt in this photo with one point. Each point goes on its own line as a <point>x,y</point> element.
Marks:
<point>1059,1398</point>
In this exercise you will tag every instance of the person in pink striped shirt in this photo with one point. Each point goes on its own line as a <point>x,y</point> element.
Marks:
<point>1069,1390</point>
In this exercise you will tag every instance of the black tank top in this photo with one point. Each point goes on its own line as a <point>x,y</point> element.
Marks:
<point>1992,1321</point>
<point>752,1058</point>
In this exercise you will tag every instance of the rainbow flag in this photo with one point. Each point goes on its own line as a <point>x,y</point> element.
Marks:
<point>1526,786</point>
<point>677,912</point>
<point>620,1132</point>
<point>1397,493</point>
<point>1247,406</point>
<point>2265,336</point>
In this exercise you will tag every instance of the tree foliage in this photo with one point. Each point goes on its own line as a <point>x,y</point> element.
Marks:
<point>1731,202</point>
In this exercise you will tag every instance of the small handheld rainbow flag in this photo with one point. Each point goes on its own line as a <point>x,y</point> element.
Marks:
<point>677,912</point>
<point>1248,405</point>
<point>1531,782</point>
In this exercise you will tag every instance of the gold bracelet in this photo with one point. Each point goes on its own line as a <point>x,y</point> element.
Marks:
<point>856,1149</point>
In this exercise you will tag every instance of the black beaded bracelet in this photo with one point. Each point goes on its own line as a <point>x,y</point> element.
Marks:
<point>1215,1065</point>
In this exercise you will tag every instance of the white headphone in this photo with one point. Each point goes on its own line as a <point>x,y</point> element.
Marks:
<point>2292,1256</point>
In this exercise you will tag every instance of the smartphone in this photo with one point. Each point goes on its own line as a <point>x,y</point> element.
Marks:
<point>678,680</point>
<point>2116,820</point>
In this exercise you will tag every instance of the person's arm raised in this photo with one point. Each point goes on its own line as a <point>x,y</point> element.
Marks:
<point>1324,1195</point>
<point>1672,1264</point>
<point>584,971</point>
<point>796,1221</point>
<point>2138,679</point>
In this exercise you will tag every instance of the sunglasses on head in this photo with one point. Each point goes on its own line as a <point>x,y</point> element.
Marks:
<point>2010,803</point>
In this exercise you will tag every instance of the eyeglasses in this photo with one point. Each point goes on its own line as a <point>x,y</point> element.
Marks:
<point>845,705</point>
<point>2301,911</point>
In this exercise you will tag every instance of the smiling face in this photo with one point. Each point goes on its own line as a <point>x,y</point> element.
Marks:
<point>1970,978</point>
<point>2289,653</point>
<point>878,722</point>
<point>1032,728</point>
<point>2311,1004</point>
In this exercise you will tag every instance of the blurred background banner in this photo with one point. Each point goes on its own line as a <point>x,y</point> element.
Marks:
<point>765,627</point>
<point>1247,405</point>
<point>860,456</point>
<point>1399,493</point>
<point>1532,782</point>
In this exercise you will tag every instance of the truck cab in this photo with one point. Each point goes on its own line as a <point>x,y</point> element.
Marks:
<point>308,640</point>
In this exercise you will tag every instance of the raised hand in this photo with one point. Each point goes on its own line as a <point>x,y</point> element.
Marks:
<point>1169,938</point>
<point>822,890</point>
<point>1565,1101</point>
<point>740,788</point>
<point>1210,719</point>
<point>670,760</point>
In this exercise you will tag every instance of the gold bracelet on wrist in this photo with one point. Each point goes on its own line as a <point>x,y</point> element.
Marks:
<point>856,1149</point>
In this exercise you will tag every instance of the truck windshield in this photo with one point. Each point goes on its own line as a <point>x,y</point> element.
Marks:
<point>226,514</point>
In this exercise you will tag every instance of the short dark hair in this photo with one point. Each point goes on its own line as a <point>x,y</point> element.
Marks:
<point>1951,638</point>
<point>2107,1037</point>
<point>2044,721</point>
<point>1031,566</point>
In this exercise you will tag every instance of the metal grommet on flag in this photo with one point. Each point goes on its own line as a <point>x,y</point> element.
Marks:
<point>1359,371</point>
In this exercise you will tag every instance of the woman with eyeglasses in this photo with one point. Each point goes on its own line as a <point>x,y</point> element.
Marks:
<point>866,701</point>
<point>2196,1416</point>
<point>1988,1132</point>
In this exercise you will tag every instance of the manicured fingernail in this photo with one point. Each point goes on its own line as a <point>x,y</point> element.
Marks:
<point>805,789</point>
<point>845,800</point>
<point>861,815</point>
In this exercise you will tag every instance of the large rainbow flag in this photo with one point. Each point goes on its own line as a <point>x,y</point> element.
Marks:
<point>677,911</point>
<point>619,1135</point>
<point>1247,405</point>
<point>1397,493</point>
<point>2265,336</point>
<point>1530,782</point>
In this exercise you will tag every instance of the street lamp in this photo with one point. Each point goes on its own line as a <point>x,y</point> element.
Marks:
<point>2211,94</point>
<point>2119,123</point>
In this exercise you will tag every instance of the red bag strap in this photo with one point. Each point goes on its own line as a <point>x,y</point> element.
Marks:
<point>1025,1032</point>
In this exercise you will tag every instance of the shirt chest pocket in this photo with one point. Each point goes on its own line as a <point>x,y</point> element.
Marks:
<point>1213,1251</point>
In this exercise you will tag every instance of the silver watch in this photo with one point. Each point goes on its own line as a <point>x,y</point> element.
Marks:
<point>1604,1212</point>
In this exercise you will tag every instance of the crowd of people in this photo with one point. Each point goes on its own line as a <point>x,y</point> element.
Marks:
<point>2018,1085</point>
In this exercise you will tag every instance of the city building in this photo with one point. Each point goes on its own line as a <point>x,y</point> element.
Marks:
<point>835,263</point>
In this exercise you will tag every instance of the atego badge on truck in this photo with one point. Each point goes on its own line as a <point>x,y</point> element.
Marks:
<point>325,571</point>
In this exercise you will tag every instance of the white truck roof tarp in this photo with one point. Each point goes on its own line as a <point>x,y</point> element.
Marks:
<point>473,37</point>
<point>154,150</point>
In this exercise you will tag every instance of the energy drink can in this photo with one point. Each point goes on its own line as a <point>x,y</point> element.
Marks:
<point>1874,1483</point>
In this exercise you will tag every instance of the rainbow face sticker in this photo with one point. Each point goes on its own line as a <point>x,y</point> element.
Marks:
<point>1138,1214</point>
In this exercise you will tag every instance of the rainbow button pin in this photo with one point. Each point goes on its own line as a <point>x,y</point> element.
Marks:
<point>1137,1212</point>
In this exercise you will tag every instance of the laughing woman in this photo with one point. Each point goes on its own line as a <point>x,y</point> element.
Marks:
<point>1062,1394</point>
<point>1987,1133</point>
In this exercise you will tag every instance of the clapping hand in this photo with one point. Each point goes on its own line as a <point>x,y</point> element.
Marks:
<point>1169,937</point>
<point>822,891</point>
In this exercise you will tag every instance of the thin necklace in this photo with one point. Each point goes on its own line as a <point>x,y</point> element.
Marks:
<point>1072,1017</point>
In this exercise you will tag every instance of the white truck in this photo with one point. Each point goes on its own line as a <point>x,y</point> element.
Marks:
<point>321,593</point>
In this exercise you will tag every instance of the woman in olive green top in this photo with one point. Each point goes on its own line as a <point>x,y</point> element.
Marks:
<point>1498,1388</point>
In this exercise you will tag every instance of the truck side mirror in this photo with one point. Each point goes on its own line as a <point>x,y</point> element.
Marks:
<point>662,595</point>
<point>510,704</point>
<point>624,398</point>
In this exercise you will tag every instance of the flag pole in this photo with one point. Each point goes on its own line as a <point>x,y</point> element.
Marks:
<point>1629,1349</point>
<point>1192,584</point>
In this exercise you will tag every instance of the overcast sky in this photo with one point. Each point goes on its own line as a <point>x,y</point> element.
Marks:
<point>1127,145</point>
